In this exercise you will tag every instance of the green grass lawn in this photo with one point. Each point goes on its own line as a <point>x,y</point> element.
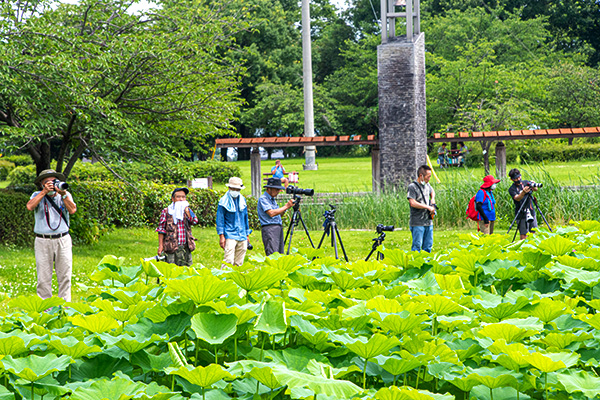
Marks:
<point>18,274</point>
<point>354,174</point>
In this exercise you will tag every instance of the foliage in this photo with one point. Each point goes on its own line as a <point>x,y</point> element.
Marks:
<point>5,168</point>
<point>19,160</point>
<point>118,85</point>
<point>458,324</point>
<point>16,222</point>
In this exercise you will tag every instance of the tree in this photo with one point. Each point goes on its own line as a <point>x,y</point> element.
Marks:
<point>92,78</point>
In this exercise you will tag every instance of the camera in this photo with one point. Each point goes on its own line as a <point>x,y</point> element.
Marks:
<point>535,184</point>
<point>60,185</point>
<point>296,190</point>
<point>385,228</point>
<point>330,213</point>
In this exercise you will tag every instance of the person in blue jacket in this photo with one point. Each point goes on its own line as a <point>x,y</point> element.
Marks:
<point>485,203</point>
<point>232,223</point>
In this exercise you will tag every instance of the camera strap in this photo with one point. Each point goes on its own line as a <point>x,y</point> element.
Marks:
<point>427,202</point>
<point>58,210</point>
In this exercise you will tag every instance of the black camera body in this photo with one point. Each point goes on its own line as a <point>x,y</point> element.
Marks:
<point>60,185</point>
<point>534,184</point>
<point>296,190</point>
<point>385,228</point>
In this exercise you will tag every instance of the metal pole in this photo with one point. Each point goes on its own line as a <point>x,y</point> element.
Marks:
<point>309,126</point>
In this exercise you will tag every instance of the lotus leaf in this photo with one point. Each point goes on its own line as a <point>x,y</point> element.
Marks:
<point>133,344</point>
<point>591,319</point>
<point>201,376</point>
<point>494,377</point>
<point>505,331</point>
<point>150,269</point>
<point>498,306</point>
<point>11,346</point>
<point>244,313</point>
<point>214,329</point>
<point>574,275</point>
<point>288,263</point>
<point>579,263</point>
<point>33,368</point>
<point>400,258</point>
<point>319,385</point>
<point>258,279</point>
<point>559,341</point>
<point>272,319</point>
<point>121,314</point>
<point>97,323</point>
<point>176,354</point>
<point>401,362</point>
<point>310,332</point>
<point>367,293</point>
<point>547,310</point>
<point>556,245</point>
<point>502,269</point>
<point>35,303</point>
<point>126,298</point>
<point>347,281</point>
<point>118,388</point>
<point>587,226</point>
<point>466,263</point>
<point>450,283</point>
<point>387,306</point>
<point>535,258</point>
<point>408,393</point>
<point>201,289</point>
<point>441,305</point>
<point>481,392</point>
<point>306,308</point>
<point>402,323</point>
<point>356,311</point>
<point>72,347</point>
<point>580,381</point>
<point>374,346</point>
<point>544,363</point>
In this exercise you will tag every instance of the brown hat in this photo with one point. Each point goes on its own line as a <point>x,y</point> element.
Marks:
<point>49,172</point>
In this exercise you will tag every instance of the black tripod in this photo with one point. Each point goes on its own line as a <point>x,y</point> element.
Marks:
<point>330,228</point>
<point>376,243</point>
<point>527,200</point>
<point>296,216</point>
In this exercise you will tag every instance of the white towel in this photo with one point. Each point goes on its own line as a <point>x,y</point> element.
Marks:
<point>177,209</point>
<point>228,203</point>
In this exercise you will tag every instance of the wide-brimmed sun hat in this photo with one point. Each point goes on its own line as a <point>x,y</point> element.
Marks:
<point>235,183</point>
<point>274,183</point>
<point>47,173</point>
<point>488,181</point>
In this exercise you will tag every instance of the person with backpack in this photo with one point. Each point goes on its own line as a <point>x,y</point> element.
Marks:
<point>485,204</point>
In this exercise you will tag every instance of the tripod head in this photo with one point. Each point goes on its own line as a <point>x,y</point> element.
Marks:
<point>330,214</point>
<point>297,199</point>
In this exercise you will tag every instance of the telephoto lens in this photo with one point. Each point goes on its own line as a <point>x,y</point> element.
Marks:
<point>296,190</point>
<point>60,185</point>
<point>385,228</point>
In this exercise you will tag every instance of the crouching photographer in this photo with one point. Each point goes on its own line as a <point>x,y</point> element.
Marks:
<point>519,192</point>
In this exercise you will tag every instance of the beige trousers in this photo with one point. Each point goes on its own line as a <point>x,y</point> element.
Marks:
<point>486,230</point>
<point>53,254</point>
<point>235,251</point>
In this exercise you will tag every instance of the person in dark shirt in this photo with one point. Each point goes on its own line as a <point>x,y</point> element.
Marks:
<point>527,219</point>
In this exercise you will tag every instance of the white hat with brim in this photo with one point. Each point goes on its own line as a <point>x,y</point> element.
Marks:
<point>48,173</point>
<point>235,183</point>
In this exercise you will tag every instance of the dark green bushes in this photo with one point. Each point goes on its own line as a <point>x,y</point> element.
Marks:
<point>5,168</point>
<point>16,222</point>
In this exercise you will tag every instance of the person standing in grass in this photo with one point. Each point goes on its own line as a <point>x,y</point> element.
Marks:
<point>53,247</point>
<point>232,223</point>
<point>269,215</point>
<point>421,198</point>
<point>485,203</point>
<point>175,238</point>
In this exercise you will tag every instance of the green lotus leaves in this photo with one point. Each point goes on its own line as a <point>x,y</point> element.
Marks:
<point>441,305</point>
<point>551,362</point>
<point>35,303</point>
<point>214,329</point>
<point>556,245</point>
<point>402,362</point>
<point>346,281</point>
<point>150,269</point>
<point>374,346</point>
<point>121,314</point>
<point>494,377</point>
<point>547,309</point>
<point>201,376</point>
<point>118,388</point>
<point>272,319</point>
<point>265,376</point>
<point>201,289</point>
<point>97,323</point>
<point>499,307</point>
<point>408,393</point>
<point>72,347</point>
<point>288,263</point>
<point>507,332</point>
<point>580,381</point>
<point>33,368</point>
<point>310,332</point>
<point>258,279</point>
<point>402,323</point>
<point>11,346</point>
<point>317,384</point>
<point>536,259</point>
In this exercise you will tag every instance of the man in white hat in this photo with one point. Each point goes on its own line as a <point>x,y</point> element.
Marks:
<point>232,223</point>
<point>52,206</point>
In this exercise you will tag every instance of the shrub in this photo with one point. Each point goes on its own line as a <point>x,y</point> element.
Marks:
<point>20,160</point>
<point>21,176</point>
<point>16,222</point>
<point>5,168</point>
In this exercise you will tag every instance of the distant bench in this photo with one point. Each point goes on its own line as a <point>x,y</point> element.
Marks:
<point>267,175</point>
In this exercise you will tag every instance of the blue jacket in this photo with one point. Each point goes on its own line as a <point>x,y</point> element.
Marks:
<point>232,218</point>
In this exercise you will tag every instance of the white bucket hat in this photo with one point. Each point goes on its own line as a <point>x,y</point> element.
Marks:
<point>235,183</point>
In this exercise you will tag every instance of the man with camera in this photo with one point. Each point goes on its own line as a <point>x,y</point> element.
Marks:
<point>269,215</point>
<point>233,227</point>
<point>52,207</point>
<point>421,198</point>
<point>521,191</point>
<point>175,238</point>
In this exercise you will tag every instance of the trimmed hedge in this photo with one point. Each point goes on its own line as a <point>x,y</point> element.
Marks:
<point>103,205</point>
<point>19,160</point>
<point>5,168</point>
<point>177,173</point>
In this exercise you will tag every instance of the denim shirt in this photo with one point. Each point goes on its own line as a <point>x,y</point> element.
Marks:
<point>233,225</point>
<point>265,203</point>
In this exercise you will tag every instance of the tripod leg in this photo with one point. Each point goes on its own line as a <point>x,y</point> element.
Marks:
<point>323,237</point>
<point>517,215</point>
<point>333,242</point>
<point>542,214</point>
<point>306,230</point>
<point>337,231</point>
<point>290,231</point>
<point>371,252</point>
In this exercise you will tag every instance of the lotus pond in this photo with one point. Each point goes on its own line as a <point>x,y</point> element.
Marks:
<point>489,320</point>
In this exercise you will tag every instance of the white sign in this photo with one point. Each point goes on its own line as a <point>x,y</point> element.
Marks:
<point>200,183</point>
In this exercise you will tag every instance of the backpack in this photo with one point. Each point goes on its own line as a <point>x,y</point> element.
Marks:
<point>471,211</point>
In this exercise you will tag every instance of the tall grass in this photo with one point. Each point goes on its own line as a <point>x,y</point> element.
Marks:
<point>557,203</point>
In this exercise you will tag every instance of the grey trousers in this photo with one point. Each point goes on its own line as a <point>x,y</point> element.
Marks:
<point>53,254</point>
<point>272,237</point>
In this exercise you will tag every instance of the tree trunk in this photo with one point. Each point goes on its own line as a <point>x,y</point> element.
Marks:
<point>485,147</point>
<point>41,156</point>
